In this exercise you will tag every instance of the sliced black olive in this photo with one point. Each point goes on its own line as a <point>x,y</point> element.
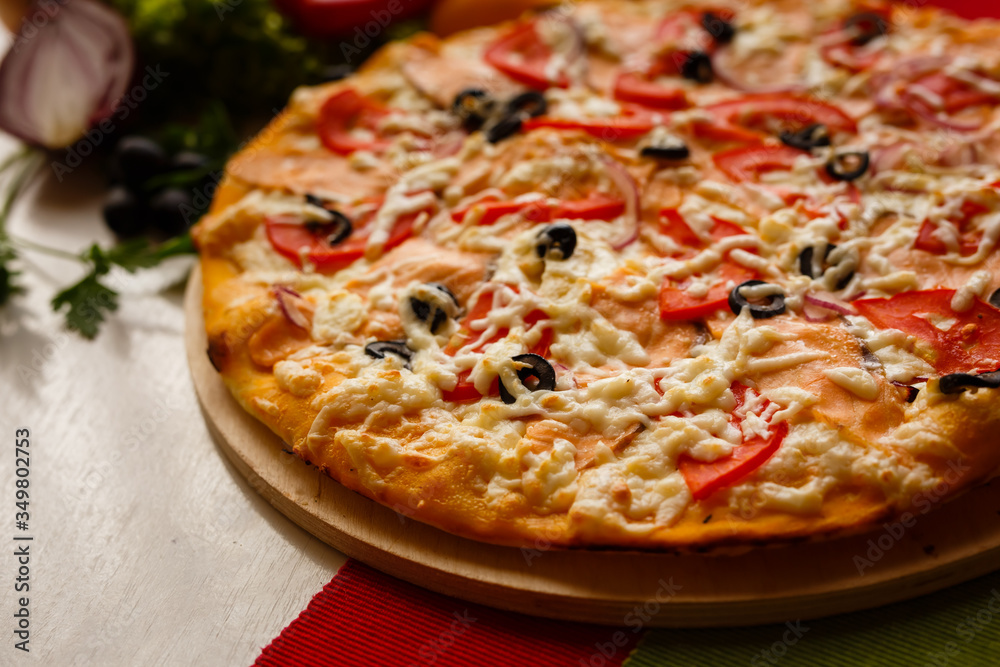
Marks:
<point>503,128</point>
<point>333,232</point>
<point>473,106</point>
<point>557,241</point>
<point>807,138</point>
<point>721,30</point>
<point>995,299</point>
<point>536,367</point>
<point>956,383</point>
<point>865,27</point>
<point>313,200</point>
<point>433,304</point>
<point>678,151</point>
<point>698,67</point>
<point>911,391</point>
<point>848,165</point>
<point>808,268</point>
<point>379,348</point>
<point>137,159</point>
<point>531,102</point>
<point>774,305</point>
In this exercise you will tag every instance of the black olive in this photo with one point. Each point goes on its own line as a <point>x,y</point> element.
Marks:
<point>531,103</point>
<point>503,128</point>
<point>865,27</point>
<point>721,30</point>
<point>438,305</point>
<point>124,213</point>
<point>995,299</point>
<point>840,165</point>
<point>333,232</point>
<point>807,138</point>
<point>697,67</point>
<point>775,304</point>
<point>473,106</point>
<point>536,367</point>
<point>333,73</point>
<point>807,268</point>
<point>189,161</point>
<point>172,211</point>
<point>136,160</point>
<point>379,348</point>
<point>672,152</point>
<point>556,242</point>
<point>956,383</point>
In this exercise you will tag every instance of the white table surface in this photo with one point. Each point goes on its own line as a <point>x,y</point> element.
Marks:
<point>149,548</point>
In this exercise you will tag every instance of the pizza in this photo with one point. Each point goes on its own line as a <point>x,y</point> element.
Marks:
<point>657,275</point>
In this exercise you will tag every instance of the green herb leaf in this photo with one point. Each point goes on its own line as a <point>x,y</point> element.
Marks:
<point>89,301</point>
<point>9,287</point>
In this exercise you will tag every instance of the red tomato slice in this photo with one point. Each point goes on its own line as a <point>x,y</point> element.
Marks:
<point>677,304</point>
<point>466,391</point>
<point>621,128</point>
<point>523,56</point>
<point>672,224</point>
<point>971,343</point>
<point>968,241</point>
<point>291,238</point>
<point>767,112</point>
<point>595,207</point>
<point>748,163</point>
<point>706,477</point>
<point>637,88</point>
<point>345,111</point>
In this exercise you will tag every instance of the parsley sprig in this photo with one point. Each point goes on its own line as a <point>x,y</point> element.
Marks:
<point>86,303</point>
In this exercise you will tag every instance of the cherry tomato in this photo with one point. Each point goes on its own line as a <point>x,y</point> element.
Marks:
<point>341,114</point>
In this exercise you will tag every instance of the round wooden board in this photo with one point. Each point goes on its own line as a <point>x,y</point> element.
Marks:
<point>951,544</point>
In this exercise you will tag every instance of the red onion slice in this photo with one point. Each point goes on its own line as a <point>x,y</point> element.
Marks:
<point>62,76</point>
<point>839,308</point>
<point>287,298</point>
<point>723,71</point>
<point>630,193</point>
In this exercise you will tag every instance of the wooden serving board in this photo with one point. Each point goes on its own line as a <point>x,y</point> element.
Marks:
<point>953,543</point>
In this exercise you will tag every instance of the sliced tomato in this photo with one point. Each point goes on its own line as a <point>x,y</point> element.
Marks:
<point>292,238</point>
<point>706,477</point>
<point>968,242</point>
<point>342,114</point>
<point>673,224</point>
<point>523,56</point>
<point>971,341</point>
<point>749,162</point>
<point>619,128</point>
<point>722,132</point>
<point>638,88</point>
<point>676,303</point>
<point>773,112</point>
<point>594,207</point>
<point>466,391</point>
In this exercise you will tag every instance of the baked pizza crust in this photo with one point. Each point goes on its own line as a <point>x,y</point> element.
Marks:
<point>871,457</point>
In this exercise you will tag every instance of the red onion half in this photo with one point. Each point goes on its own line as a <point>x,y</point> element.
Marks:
<point>68,68</point>
<point>630,193</point>
<point>287,298</point>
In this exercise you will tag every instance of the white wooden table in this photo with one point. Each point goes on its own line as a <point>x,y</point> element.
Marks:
<point>148,547</point>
